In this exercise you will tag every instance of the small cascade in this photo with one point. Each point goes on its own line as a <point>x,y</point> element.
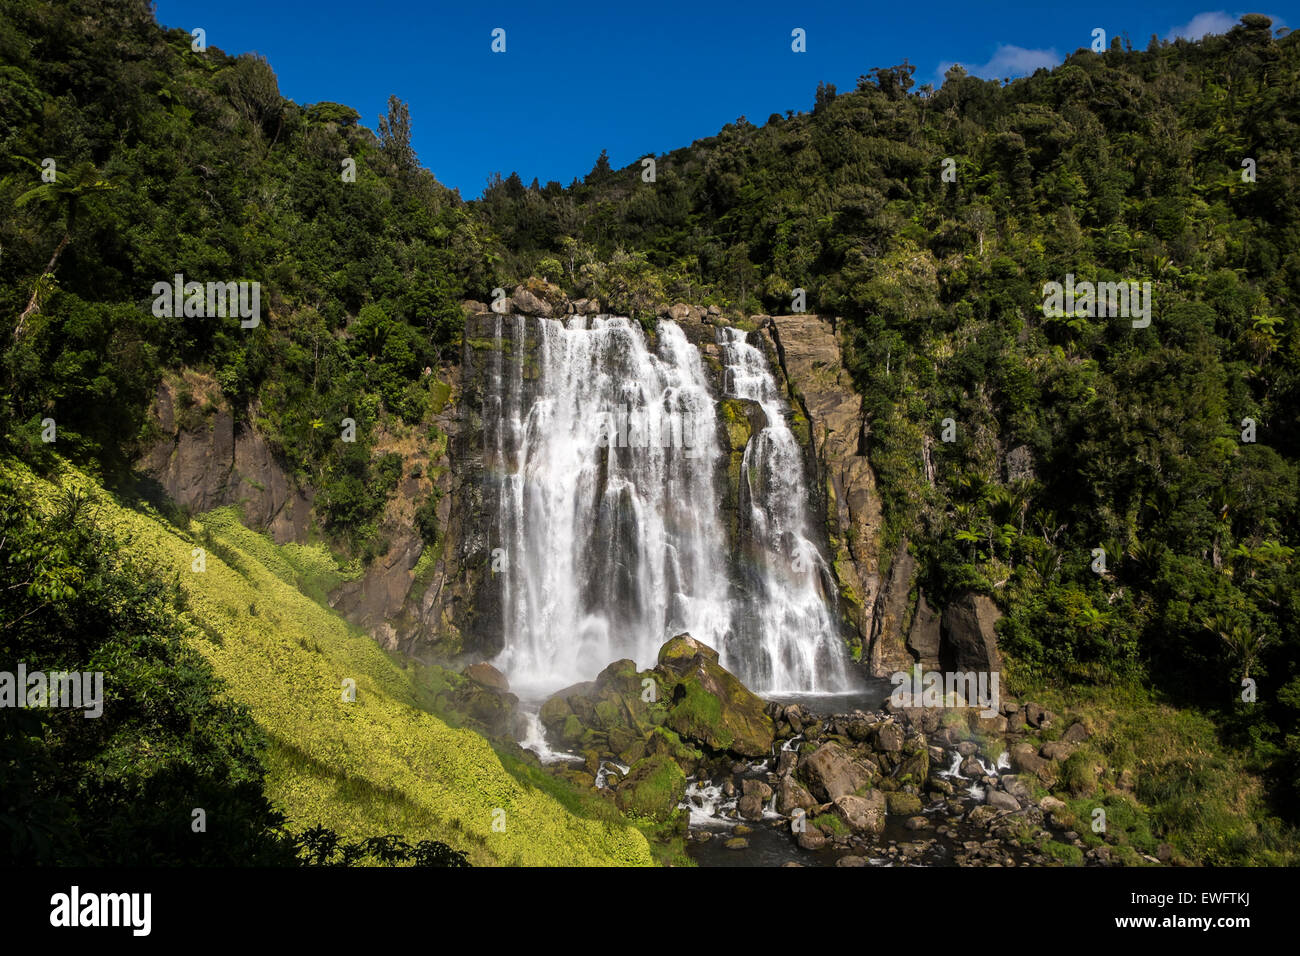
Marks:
<point>785,638</point>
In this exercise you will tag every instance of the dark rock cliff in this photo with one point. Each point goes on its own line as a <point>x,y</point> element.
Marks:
<point>203,461</point>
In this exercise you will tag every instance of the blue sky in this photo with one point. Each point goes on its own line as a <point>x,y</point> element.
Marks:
<point>634,77</point>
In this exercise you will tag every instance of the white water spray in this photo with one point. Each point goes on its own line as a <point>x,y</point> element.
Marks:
<point>607,462</point>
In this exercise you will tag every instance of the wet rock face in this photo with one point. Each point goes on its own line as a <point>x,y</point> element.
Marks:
<point>888,652</point>
<point>203,461</point>
<point>806,348</point>
<point>418,603</point>
<point>970,642</point>
<point>923,636</point>
<point>374,600</point>
<point>739,420</point>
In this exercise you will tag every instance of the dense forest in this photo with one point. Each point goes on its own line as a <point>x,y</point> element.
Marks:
<point>1172,447</point>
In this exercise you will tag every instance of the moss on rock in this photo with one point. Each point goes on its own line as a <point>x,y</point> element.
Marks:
<point>708,704</point>
<point>653,788</point>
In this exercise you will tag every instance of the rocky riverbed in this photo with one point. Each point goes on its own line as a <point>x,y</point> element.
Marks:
<point>869,789</point>
<point>772,783</point>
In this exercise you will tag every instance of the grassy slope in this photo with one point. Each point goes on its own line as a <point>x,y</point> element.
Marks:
<point>1187,784</point>
<point>377,765</point>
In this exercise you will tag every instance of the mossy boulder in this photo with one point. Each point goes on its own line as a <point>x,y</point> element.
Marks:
<point>708,704</point>
<point>611,708</point>
<point>664,741</point>
<point>467,702</point>
<point>914,766</point>
<point>688,702</point>
<point>903,804</point>
<point>555,711</point>
<point>653,788</point>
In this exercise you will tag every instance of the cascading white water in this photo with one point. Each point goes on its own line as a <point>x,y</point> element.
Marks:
<point>609,519</point>
<point>787,635</point>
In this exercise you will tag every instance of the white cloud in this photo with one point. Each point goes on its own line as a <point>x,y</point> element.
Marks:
<point>1204,23</point>
<point>1010,60</point>
<point>1007,60</point>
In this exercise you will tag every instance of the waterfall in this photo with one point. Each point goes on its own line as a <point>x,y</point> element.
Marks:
<point>786,637</point>
<point>606,461</point>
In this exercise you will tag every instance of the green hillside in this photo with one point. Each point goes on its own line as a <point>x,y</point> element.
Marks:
<point>377,765</point>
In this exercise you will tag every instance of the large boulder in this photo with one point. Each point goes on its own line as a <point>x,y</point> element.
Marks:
<point>865,814</point>
<point>1025,760</point>
<point>903,804</point>
<point>1017,787</point>
<point>491,709</point>
<point>830,772</point>
<point>539,297</point>
<point>678,653</point>
<point>692,700</point>
<point>608,714</point>
<point>1076,734</point>
<point>707,703</point>
<point>754,801</point>
<point>914,764</point>
<point>527,303</point>
<point>970,642</point>
<point>1056,750</point>
<point>889,737</point>
<point>487,675</point>
<point>750,807</point>
<point>1002,801</point>
<point>812,839</point>
<point>681,312</point>
<point>653,788</point>
<point>791,796</point>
